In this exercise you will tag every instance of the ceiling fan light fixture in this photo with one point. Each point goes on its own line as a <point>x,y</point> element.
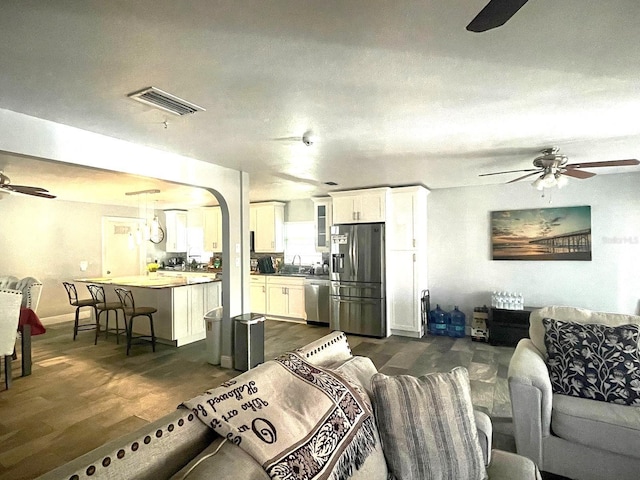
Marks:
<point>309,138</point>
<point>537,183</point>
<point>561,180</point>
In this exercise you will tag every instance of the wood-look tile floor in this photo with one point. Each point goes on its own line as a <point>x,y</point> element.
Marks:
<point>81,395</point>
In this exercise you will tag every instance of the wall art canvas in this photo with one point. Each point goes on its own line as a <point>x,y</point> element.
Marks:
<point>562,233</point>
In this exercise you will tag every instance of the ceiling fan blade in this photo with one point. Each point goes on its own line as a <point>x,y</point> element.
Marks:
<point>287,139</point>
<point>18,188</point>
<point>27,190</point>
<point>495,14</point>
<point>510,171</point>
<point>609,163</point>
<point>578,174</point>
<point>524,176</point>
<point>40,194</point>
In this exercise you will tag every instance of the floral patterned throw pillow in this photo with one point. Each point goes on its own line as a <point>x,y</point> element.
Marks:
<point>594,361</point>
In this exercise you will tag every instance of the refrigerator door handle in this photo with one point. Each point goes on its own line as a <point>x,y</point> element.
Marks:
<point>359,300</point>
<point>355,253</point>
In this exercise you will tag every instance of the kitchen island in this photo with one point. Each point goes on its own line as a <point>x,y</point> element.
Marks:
<point>181,301</point>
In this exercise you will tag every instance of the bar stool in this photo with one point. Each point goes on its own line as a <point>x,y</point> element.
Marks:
<point>72,293</point>
<point>131,311</point>
<point>97,293</point>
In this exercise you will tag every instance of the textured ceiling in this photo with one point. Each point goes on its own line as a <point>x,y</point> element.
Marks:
<point>396,92</point>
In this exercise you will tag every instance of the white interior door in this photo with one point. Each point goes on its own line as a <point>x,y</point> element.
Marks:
<point>122,255</point>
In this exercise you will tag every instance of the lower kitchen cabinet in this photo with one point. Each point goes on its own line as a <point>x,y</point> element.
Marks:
<point>258,292</point>
<point>285,297</point>
<point>181,310</point>
<point>403,294</point>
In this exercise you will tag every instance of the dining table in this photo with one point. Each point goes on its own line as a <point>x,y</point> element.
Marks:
<point>28,325</point>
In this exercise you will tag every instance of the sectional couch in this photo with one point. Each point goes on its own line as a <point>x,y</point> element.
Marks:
<point>180,446</point>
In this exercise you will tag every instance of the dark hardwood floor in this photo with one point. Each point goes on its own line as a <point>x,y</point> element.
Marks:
<point>81,395</point>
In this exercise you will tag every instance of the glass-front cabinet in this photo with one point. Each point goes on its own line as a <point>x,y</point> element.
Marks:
<point>322,217</point>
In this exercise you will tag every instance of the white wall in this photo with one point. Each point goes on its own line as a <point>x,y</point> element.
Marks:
<point>462,273</point>
<point>42,239</point>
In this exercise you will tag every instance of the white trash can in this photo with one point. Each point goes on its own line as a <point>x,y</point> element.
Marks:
<point>213,320</point>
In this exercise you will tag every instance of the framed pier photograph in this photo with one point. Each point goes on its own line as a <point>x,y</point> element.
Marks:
<point>562,233</point>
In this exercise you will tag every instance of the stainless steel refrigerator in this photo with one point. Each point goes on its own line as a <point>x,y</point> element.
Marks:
<point>358,279</point>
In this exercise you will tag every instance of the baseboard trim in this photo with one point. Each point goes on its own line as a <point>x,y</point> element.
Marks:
<point>65,317</point>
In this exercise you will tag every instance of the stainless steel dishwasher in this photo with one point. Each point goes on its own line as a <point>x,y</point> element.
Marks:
<point>316,300</point>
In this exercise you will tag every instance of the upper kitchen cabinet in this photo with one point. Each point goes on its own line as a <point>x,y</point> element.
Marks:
<point>176,221</point>
<point>322,216</point>
<point>195,239</point>
<point>213,229</point>
<point>267,223</point>
<point>407,218</point>
<point>360,206</point>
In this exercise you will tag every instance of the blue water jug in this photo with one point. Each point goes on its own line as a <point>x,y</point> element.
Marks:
<point>457,323</point>
<point>439,319</point>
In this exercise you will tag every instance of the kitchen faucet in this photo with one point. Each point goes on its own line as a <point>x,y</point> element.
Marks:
<point>293,262</point>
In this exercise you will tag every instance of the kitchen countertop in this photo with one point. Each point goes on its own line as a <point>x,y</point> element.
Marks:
<point>149,281</point>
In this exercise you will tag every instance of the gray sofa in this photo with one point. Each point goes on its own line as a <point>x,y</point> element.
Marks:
<point>179,443</point>
<point>570,436</point>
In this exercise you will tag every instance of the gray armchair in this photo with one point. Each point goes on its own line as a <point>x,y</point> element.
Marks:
<point>566,435</point>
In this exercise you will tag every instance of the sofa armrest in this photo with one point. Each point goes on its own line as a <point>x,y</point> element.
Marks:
<point>152,452</point>
<point>531,399</point>
<point>485,434</point>
<point>510,466</point>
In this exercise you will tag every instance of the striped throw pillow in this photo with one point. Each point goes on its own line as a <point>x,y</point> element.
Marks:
<point>427,426</point>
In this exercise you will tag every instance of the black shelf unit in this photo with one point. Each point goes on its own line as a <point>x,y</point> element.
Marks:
<point>507,327</point>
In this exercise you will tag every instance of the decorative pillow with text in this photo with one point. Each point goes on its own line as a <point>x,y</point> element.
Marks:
<point>594,361</point>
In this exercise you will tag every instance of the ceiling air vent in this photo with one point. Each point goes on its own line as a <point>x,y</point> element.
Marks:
<point>165,101</point>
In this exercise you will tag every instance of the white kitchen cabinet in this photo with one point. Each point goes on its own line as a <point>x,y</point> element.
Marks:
<point>258,292</point>
<point>176,234</point>
<point>190,300</point>
<point>268,226</point>
<point>323,220</point>
<point>179,319</point>
<point>406,251</point>
<point>212,229</point>
<point>406,219</point>
<point>285,297</point>
<point>360,206</point>
<point>403,294</point>
<point>195,238</point>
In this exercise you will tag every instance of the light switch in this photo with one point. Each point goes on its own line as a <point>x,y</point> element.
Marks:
<point>237,261</point>
<point>237,248</point>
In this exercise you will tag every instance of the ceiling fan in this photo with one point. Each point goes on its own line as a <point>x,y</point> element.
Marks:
<point>552,169</point>
<point>5,184</point>
<point>495,14</point>
<point>308,138</point>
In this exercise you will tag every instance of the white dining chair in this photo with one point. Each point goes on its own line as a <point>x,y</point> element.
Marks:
<point>31,289</point>
<point>10,301</point>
